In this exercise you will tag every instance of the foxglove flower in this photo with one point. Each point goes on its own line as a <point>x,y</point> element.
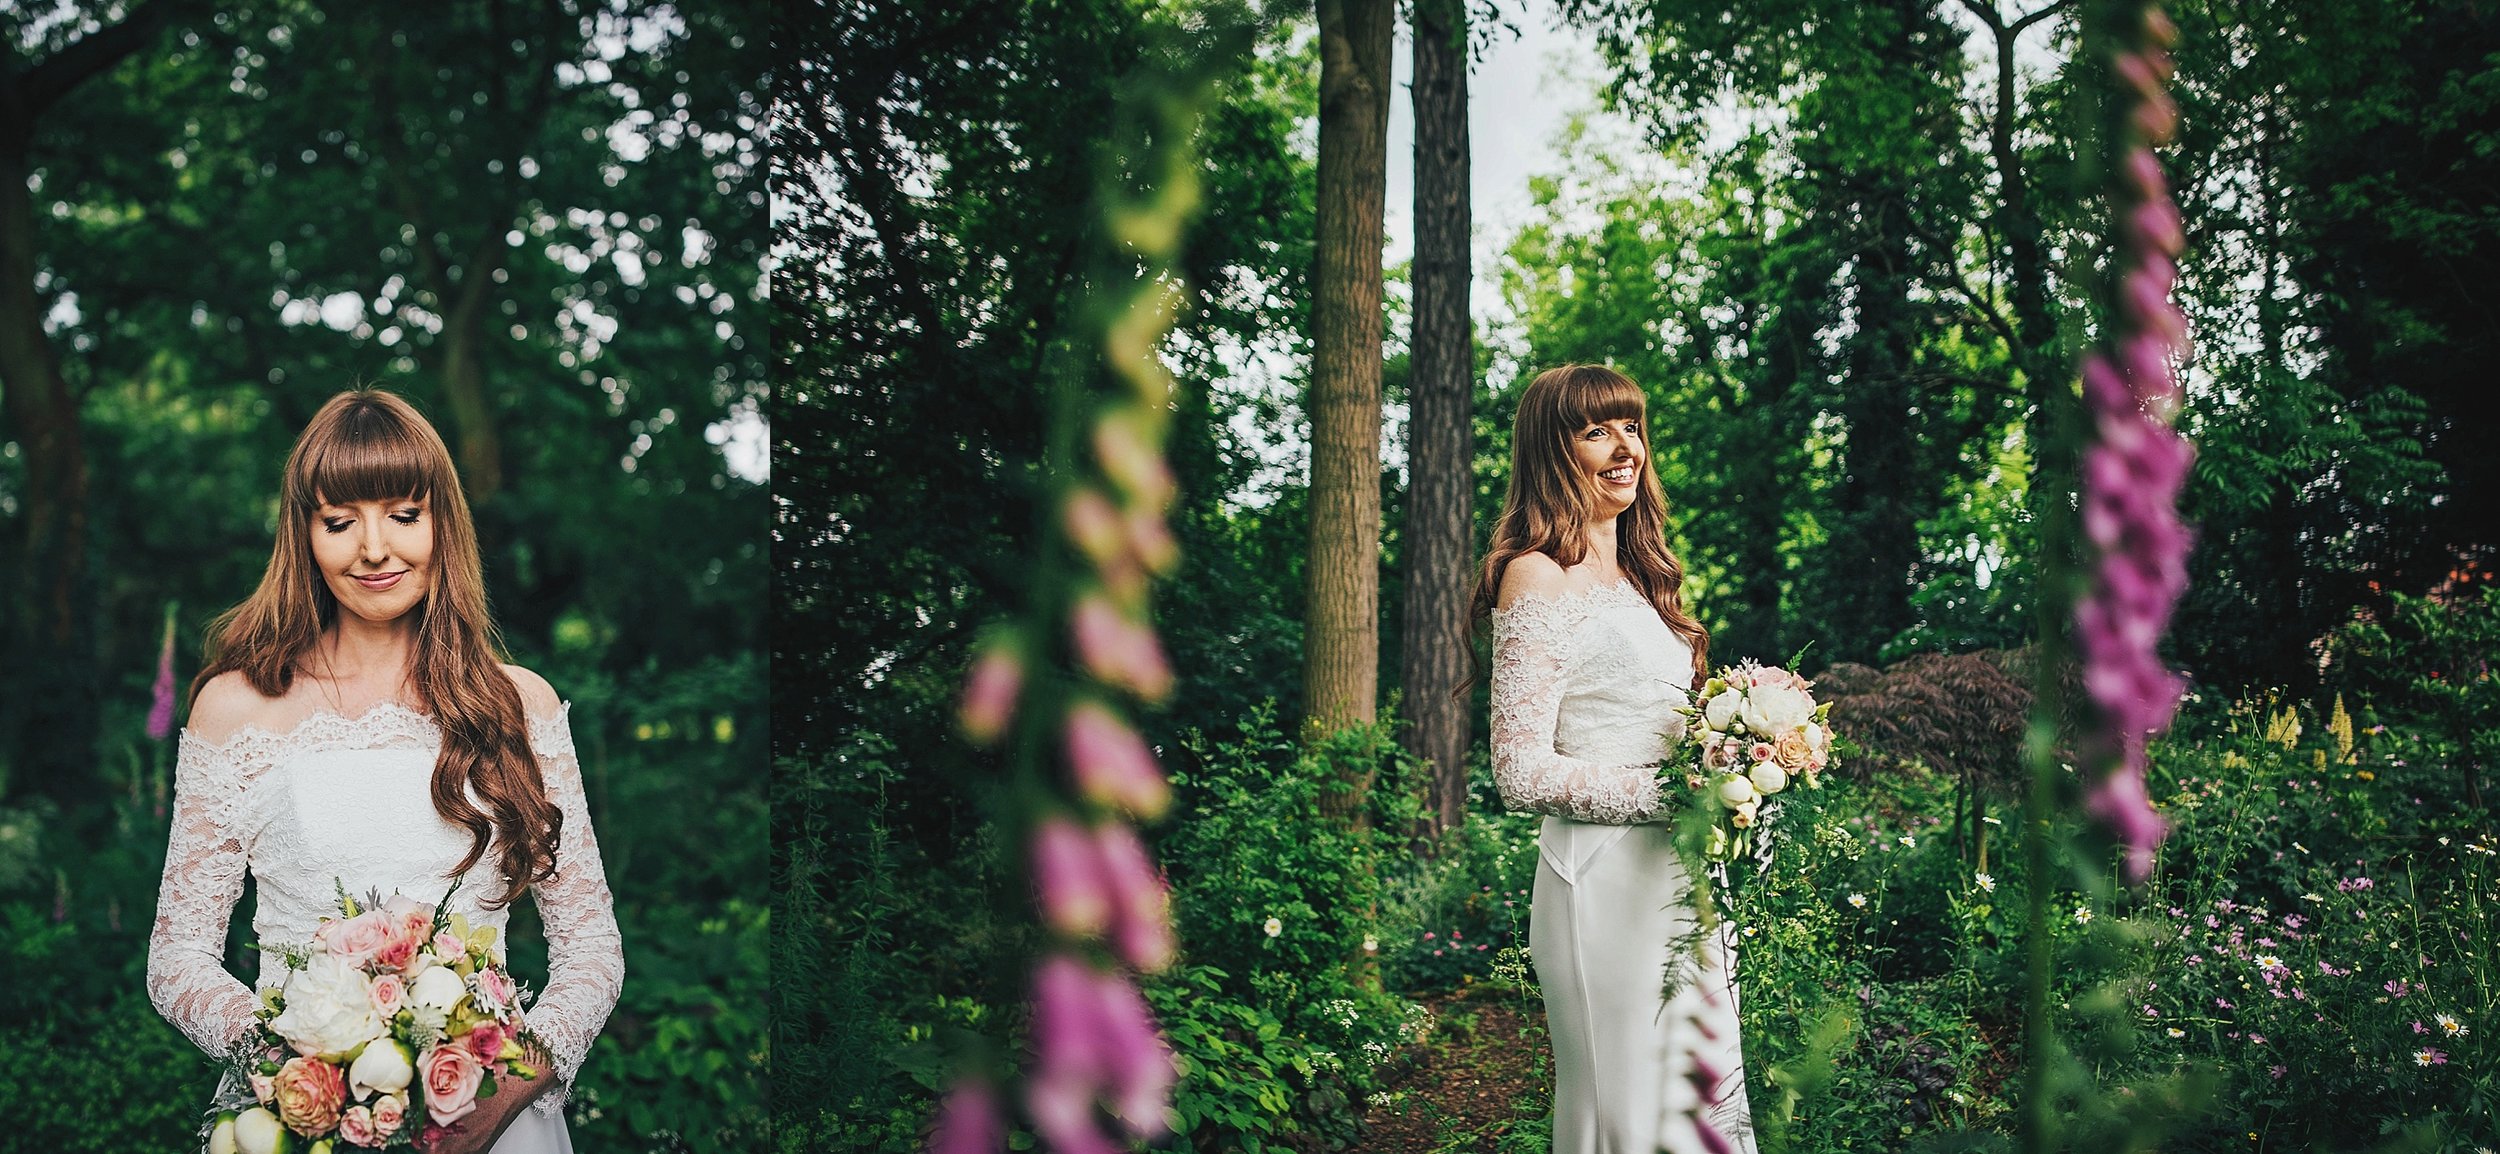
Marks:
<point>2135,464</point>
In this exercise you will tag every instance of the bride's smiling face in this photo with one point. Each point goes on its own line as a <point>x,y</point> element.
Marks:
<point>376,556</point>
<point>1613,455</point>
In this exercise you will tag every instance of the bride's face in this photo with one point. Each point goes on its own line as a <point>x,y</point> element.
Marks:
<point>1612,455</point>
<point>375,555</point>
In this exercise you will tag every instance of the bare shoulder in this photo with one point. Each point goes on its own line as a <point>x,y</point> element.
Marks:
<point>228,704</point>
<point>538,698</point>
<point>1531,575</point>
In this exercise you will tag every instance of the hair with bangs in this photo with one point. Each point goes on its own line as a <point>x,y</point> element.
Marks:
<point>1552,500</point>
<point>369,445</point>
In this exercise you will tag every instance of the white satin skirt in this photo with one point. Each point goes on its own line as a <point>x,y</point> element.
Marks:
<point>1610,905</point>
<point>536,1131</point>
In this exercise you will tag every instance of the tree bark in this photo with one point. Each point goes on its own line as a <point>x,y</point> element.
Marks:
<point>1341,636</point>
<point>1440,452</point>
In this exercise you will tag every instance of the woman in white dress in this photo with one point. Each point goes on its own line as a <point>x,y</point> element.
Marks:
<point>1592,652</point>
<point>354,726</point>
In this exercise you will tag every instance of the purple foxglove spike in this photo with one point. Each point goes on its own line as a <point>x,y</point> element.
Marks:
<point>2155,225</point>
<point>2146,294</point>
<point>968,1122</point>
<point>1094,524</point>
<point>1076,894</point>
<point>1705,1078</point>
<point>2147,357</point>
<point>1117,649</point>
<point>2103,387</point>
<point>1150,537</point>
<point>2143,172</point>
<point>2139,74</point>
<point>1113,767</point>
<point>1141,1067</point>
<point>1711,1139</point>
<point>2120,801</point>
<point>1062,1110</point>
<point>2157,119</point>
<point>161,707</point>
<point>1142,927</point>
<point>990,692</point>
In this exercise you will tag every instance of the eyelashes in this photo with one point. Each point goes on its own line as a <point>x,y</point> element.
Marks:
<point>410,517</point>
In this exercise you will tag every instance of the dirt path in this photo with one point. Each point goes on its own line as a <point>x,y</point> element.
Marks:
<point>1483,1076</point>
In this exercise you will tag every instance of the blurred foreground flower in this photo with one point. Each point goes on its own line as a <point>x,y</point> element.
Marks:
<point>2135,463</point>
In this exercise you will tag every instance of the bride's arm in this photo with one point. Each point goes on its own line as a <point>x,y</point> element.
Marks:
<point>1529,636</point>
<point>585,953</point>
<point>204,866</point>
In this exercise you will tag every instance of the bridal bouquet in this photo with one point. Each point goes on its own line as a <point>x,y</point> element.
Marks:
<point>1755,732</point>
<point>391,1024</point>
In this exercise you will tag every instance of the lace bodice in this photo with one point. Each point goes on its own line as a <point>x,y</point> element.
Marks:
<point>339,800</point>
<point>1585,687</point>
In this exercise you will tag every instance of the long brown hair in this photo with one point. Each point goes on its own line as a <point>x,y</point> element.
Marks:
<point>1552,500</point>
<point>369,445</point>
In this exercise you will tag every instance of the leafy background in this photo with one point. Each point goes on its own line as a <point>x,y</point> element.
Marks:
<point>545,227</point>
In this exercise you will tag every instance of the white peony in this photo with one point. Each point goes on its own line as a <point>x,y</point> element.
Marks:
<point>1768,777</point>
<point>1775,709</point>
<point>438,988</point>
<point>329,1009</point>
<point>1721,710</point>
<point>257,1131</point>
<point>386,1065</point>
<point>221,1136</point>
<point>1735,791</point>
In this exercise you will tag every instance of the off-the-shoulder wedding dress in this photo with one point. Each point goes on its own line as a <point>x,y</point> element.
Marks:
<point>338,800</point>
<point>1585,686</point>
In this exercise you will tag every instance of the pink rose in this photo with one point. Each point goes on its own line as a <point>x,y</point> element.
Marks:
<point>1762,751</point>
<point>262,1087</point>
<point>389,993</point>
<point>409,923</point>
<point>484,1040</point>
<point>356,1127</point>
<point>389,1111</point>
<point>448,948</point>
<point>309,1094</point>
<point>451,1075</point>
<point>497,990</point>
<point>355,940</point>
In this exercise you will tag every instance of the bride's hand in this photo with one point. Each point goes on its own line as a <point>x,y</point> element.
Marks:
<point>477,1133</point>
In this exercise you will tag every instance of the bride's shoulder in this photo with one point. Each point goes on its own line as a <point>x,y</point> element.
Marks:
<point>229,704</point>
<point>538,699</point>
<point>1531,575</point>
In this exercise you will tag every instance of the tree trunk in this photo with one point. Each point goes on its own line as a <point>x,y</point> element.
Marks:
<point>1341,636</point>
<point>47,705</point>
<point>1440,451</point>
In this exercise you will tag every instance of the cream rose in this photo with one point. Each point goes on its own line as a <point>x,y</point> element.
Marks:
<point>1769,777</point>
<point>386,1065</point>
<point>1792,751</point>
<point>257,1131</point>
<point>1776,709</point>
<point>329,1009</point>
<point>438,988</point>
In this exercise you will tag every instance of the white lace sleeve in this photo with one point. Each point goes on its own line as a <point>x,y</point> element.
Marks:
<point>1529,642</point>
<point>204,866</point>
<point>585,953</point>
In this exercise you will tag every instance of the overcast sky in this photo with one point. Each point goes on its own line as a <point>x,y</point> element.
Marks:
<point>1518,100</point>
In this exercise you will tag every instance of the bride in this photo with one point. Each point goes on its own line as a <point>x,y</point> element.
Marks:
<point>353,727</point>
<point>1592,652</point>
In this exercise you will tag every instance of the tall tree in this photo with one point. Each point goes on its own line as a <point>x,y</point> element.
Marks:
<point>44,622</point>
<point>1341,640</point>
<point>1440,448</point>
